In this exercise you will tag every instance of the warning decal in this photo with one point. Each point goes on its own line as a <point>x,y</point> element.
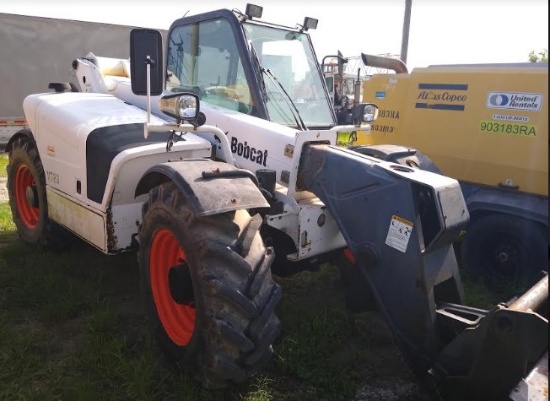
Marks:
<point>399,233</point>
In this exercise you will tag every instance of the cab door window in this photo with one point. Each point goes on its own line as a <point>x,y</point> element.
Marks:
<point>203,58</point>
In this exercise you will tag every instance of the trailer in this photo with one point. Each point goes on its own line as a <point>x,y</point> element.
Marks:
<point>487,126</point>
<point>37,50</point>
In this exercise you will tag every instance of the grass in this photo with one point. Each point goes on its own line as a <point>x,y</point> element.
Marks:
<point>72,327</point>
<point>486,296</point>
<point>7,228</point>
<point>63,331</point>
<point>69,330</point>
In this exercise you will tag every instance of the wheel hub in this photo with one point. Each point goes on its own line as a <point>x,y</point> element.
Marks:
<point>506,254</point>
<point>181,285</point>
<point>32,195</point>
<point>503,257</point>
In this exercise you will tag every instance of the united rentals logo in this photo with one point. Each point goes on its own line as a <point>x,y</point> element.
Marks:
<point>514,101</point>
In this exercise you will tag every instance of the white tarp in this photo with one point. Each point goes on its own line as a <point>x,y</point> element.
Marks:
<point>35,51</point>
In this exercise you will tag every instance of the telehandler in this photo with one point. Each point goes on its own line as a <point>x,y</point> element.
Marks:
<point>123,158</point>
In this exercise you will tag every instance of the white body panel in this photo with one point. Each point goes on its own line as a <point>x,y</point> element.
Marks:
<point>84,222</point>
<point>61,124</point>
<point>310,225</point>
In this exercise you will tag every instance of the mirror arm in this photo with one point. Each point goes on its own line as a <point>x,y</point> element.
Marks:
<point>148,61</point>
<point>224,141</point>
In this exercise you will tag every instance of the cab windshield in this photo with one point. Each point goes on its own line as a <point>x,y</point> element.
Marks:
<point>291,81</point>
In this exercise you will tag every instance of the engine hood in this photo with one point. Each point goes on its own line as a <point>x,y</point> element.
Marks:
<point>77,114</point>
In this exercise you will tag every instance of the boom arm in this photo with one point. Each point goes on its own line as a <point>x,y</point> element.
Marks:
<point>399,228</point>
<point>400,224</point>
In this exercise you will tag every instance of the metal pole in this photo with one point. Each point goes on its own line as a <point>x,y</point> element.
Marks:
<point>406,26</point>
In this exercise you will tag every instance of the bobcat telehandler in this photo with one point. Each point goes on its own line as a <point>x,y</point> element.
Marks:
<point>123,159</point>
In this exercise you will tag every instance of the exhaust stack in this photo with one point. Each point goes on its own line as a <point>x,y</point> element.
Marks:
<point>385,62</point>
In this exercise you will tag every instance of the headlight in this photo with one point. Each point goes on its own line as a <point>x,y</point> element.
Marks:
<point>181,106</point>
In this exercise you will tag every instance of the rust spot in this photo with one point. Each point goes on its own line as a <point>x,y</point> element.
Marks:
<point>112,240</point>
<point>216,171</point>
<point>233,200</point>
<point>305,242</point>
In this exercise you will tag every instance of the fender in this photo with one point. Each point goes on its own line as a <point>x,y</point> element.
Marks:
<point>480,199</point>
<point>210,187</point>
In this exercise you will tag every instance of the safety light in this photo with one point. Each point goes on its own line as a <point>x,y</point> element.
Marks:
<point>309,23</point>
<point>253,11</point>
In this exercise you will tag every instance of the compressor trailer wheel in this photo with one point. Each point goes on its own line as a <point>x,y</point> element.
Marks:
<point>208,287</point>
<point>505,248</point>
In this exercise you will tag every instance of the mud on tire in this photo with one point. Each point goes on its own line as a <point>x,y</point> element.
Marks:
<point>208,287</point>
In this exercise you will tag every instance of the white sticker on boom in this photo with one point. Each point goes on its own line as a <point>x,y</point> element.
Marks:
<point>399,233</point>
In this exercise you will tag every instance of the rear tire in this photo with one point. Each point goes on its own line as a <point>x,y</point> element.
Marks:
<point>27,195</point>
<point>505,248</point>
<point>208,287</point>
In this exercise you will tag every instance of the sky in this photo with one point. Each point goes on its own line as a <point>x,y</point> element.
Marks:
<point>441,31</point>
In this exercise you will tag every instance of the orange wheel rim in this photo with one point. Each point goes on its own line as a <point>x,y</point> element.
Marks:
<point>23,180</point>
<point>178,320</point>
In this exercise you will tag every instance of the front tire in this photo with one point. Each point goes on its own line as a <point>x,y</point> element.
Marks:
<point>209,288</point>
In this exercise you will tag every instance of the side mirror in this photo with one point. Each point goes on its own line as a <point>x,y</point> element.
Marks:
<point>146,50</point>
<point>365,113</point>
<point>341,62</point>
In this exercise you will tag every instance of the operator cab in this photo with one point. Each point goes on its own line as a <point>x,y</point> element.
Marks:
<point>232,60</point>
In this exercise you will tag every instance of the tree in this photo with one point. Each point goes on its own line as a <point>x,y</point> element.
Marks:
<point>540,57</point>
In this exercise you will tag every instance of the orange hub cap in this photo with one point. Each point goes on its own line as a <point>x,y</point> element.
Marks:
<point>23,181</point>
